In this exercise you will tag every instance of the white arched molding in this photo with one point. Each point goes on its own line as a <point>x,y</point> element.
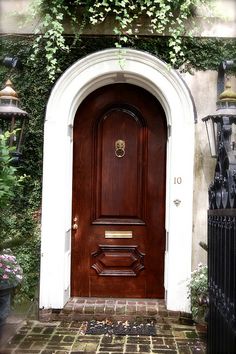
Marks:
<point>83,77</point>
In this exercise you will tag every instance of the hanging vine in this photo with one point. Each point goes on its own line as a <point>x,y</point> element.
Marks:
<point>163,17</point>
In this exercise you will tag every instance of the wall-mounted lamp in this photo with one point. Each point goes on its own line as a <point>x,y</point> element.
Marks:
<point>12,118</point>
<point>12,62</point>
<point>224,66</point>
<point>221,132</point>
<point>221,120</point>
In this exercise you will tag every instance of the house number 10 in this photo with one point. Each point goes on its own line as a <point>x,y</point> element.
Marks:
<point>177,180</point>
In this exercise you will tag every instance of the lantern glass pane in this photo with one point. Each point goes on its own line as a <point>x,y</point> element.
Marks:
<point>5,124</point>
<point>14,103</point>
<point>211,127</point>
<point>14,125</point>
<point>4,101</point>
<point>233,137</point>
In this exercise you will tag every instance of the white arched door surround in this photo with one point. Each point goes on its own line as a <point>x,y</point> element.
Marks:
<point>78,81</point>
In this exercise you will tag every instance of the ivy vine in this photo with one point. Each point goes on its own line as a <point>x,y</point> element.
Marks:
<point>163,17</point>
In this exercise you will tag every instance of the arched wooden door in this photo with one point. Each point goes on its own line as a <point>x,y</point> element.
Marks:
<point>119,194</point>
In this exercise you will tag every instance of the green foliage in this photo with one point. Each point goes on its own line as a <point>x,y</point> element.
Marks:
<point>162,17</point>
<point>20,231</point>
<point>198,292</point>
<point>52,27</point>
<point>199,53</point>
<point>11,188</point>
<point>19,221</point>
<point>9,180</point>
<point>28,257</point>
<point>50,31</point>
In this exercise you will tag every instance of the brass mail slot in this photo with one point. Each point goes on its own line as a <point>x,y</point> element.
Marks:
<point>118,234</point>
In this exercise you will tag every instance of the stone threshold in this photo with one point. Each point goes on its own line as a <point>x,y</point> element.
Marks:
<point>100,308</point>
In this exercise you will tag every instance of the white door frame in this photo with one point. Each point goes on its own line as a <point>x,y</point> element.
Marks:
<point>77,82</point>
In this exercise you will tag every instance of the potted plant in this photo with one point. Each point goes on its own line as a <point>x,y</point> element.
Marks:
<point>198,294</point>
<point>10,277</point>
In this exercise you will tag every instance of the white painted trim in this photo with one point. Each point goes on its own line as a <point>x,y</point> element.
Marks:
<point>83,77</point>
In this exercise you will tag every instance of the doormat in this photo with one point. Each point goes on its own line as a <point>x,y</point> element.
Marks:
<point>143,328</point>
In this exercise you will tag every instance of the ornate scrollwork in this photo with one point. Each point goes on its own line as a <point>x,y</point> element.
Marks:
<point>222,192</point>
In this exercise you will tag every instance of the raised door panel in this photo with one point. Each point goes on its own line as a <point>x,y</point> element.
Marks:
<point>119,174</point>
<point>119,260</point>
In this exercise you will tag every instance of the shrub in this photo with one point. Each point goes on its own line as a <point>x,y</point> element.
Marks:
<point>198,292</point>
<point>9,180</point>
<point>17,232</point>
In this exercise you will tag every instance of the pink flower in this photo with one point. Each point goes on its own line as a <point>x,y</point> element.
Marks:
<point>10,271</point>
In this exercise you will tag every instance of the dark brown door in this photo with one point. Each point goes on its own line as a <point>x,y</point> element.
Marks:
<point>119,194</point>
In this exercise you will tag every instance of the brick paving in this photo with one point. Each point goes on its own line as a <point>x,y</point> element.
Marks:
<point>67,335</point>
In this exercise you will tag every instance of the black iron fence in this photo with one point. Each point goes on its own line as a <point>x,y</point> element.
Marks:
<point>222,281</point>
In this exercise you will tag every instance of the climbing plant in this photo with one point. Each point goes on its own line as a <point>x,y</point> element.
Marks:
<point>161,17</point>
<point>9,180</point>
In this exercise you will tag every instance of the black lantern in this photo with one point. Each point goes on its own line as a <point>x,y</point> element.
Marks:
<point>220,122</point>
<point>12,118</point>
<point>221,131</point>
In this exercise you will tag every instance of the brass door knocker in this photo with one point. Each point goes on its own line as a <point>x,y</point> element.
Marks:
<point>120,148</point>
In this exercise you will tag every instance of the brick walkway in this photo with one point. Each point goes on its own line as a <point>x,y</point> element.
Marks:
<point>66,336</point>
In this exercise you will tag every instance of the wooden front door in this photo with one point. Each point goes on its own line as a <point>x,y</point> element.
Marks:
<point>119,194</point>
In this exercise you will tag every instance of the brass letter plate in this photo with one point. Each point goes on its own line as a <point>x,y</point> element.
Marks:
<point>118,234</point>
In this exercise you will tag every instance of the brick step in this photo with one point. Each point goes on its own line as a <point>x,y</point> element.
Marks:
<point>97,308</point>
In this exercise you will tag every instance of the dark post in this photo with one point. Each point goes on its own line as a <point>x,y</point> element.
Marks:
<point>222,229</point>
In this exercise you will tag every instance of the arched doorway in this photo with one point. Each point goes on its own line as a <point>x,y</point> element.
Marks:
<point>85,76</point>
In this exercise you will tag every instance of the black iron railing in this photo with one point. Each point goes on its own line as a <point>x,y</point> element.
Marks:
<point>222,281</point>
